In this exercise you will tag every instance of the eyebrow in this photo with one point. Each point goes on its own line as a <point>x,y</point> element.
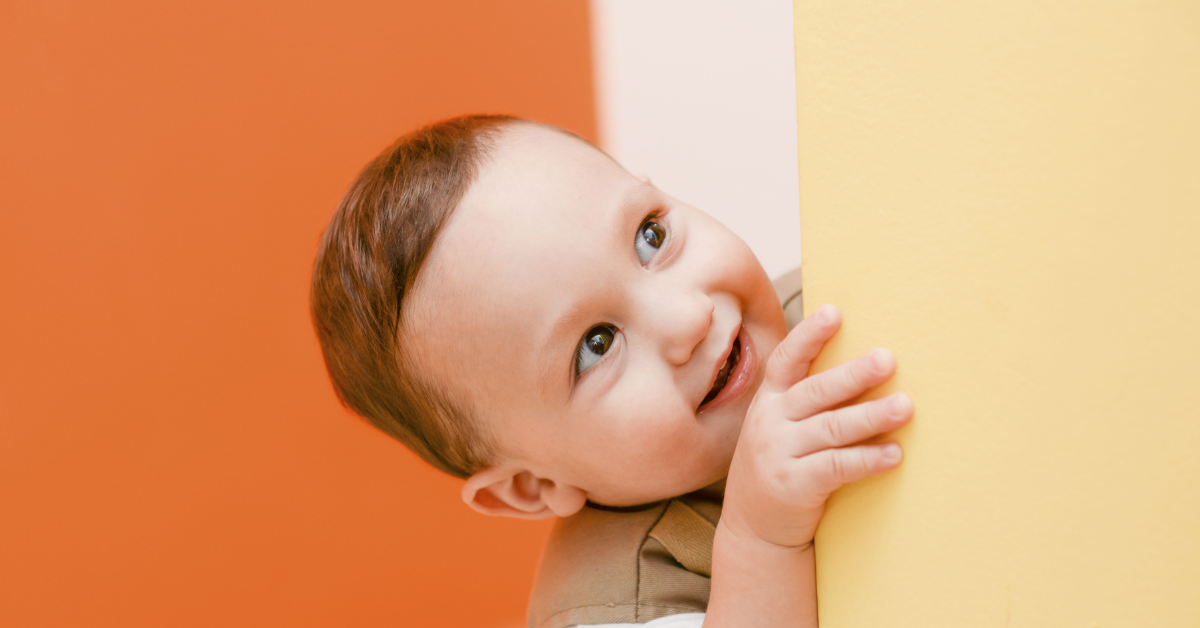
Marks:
<point>632,209</point>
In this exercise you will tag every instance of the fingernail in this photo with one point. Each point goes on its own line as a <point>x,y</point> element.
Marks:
<point>899,404</point>
<point>882,359</point>
<point>891,452</point>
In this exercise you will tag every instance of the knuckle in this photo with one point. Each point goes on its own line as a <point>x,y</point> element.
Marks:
<point>873,414</point>
<point>784,352</point>
<point>863,459</point>
<point>832,428</point>
<point>836,468</point>
<point>819,389</point>
<point>777,368</point>
<point>779,479</point>
<point>791,354</point>
<point>854,377</point>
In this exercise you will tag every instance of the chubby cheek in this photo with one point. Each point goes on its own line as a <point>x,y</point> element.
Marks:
<point>668,454</point>
<point>726,249</point>
<point>764,319</point>
<point>736,270</point>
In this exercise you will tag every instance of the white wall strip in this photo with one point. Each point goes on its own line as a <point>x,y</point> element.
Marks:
<point>700,95</point>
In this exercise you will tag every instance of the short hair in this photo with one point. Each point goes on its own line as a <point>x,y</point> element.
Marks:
<point>368,260</point>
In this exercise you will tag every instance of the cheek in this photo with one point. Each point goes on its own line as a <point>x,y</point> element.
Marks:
<point>649,422</point>
<point>671,447</point>
<point>731,265</point>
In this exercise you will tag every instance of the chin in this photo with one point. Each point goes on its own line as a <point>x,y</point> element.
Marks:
<point>696,480</point>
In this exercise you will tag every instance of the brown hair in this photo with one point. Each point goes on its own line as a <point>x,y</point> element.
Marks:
<point>368,259</point>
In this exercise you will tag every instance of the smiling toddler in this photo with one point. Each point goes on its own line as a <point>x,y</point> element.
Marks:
<point>511,304</point>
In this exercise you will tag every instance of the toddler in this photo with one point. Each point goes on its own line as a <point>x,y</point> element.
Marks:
<point>511,304</point>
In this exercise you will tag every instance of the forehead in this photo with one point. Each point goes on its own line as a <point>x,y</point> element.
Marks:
<point>523,246</point>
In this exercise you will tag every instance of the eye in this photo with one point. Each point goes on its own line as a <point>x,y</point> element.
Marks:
<point>650,237</point>
<point>596,342</point>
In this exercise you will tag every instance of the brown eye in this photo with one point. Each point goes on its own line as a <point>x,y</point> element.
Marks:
<point>649,239</point>
<point>596,342</point>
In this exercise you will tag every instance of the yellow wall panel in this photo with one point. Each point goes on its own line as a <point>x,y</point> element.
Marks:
<point>1007,195</point>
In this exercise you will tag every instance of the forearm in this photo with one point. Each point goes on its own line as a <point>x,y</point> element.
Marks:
<point>757,584</point>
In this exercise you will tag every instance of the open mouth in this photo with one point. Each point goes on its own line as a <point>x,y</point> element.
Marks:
<point>723,374</point>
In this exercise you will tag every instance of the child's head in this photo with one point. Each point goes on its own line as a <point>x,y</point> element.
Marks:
<point>519,310</point>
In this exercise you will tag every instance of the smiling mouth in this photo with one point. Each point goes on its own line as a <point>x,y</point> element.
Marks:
<point>723,374</point>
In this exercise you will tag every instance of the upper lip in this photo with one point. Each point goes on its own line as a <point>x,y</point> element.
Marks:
<point>720,361</point>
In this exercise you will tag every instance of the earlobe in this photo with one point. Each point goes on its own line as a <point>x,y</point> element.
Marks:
<point>513,492</point>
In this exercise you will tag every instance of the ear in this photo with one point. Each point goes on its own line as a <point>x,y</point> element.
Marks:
<point>513,492</point>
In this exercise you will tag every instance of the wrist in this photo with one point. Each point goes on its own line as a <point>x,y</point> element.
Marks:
<point>743,539</point>
<point>757,583</point>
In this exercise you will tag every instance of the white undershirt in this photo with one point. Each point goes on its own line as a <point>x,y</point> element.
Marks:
<point>682,620</point>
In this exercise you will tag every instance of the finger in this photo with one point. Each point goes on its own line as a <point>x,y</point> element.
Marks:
<point>791,359</point>
<point>849,425</point>
<point>839,384</point>
<point>832,469</point>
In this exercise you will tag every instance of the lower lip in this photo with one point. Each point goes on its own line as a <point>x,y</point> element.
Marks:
<point>742,376</point>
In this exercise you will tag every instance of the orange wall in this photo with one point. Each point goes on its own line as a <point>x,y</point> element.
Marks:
<point>171,452</point>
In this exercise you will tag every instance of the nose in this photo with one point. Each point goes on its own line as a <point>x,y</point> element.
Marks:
<point>681,320</point>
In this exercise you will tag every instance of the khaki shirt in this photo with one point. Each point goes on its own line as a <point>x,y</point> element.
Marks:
<point>626,565</point>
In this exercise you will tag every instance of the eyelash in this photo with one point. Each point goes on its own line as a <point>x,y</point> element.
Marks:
<point>579,368</point>
<point>656,217</point>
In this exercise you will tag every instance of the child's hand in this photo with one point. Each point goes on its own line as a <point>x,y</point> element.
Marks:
<point>794,449</point>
